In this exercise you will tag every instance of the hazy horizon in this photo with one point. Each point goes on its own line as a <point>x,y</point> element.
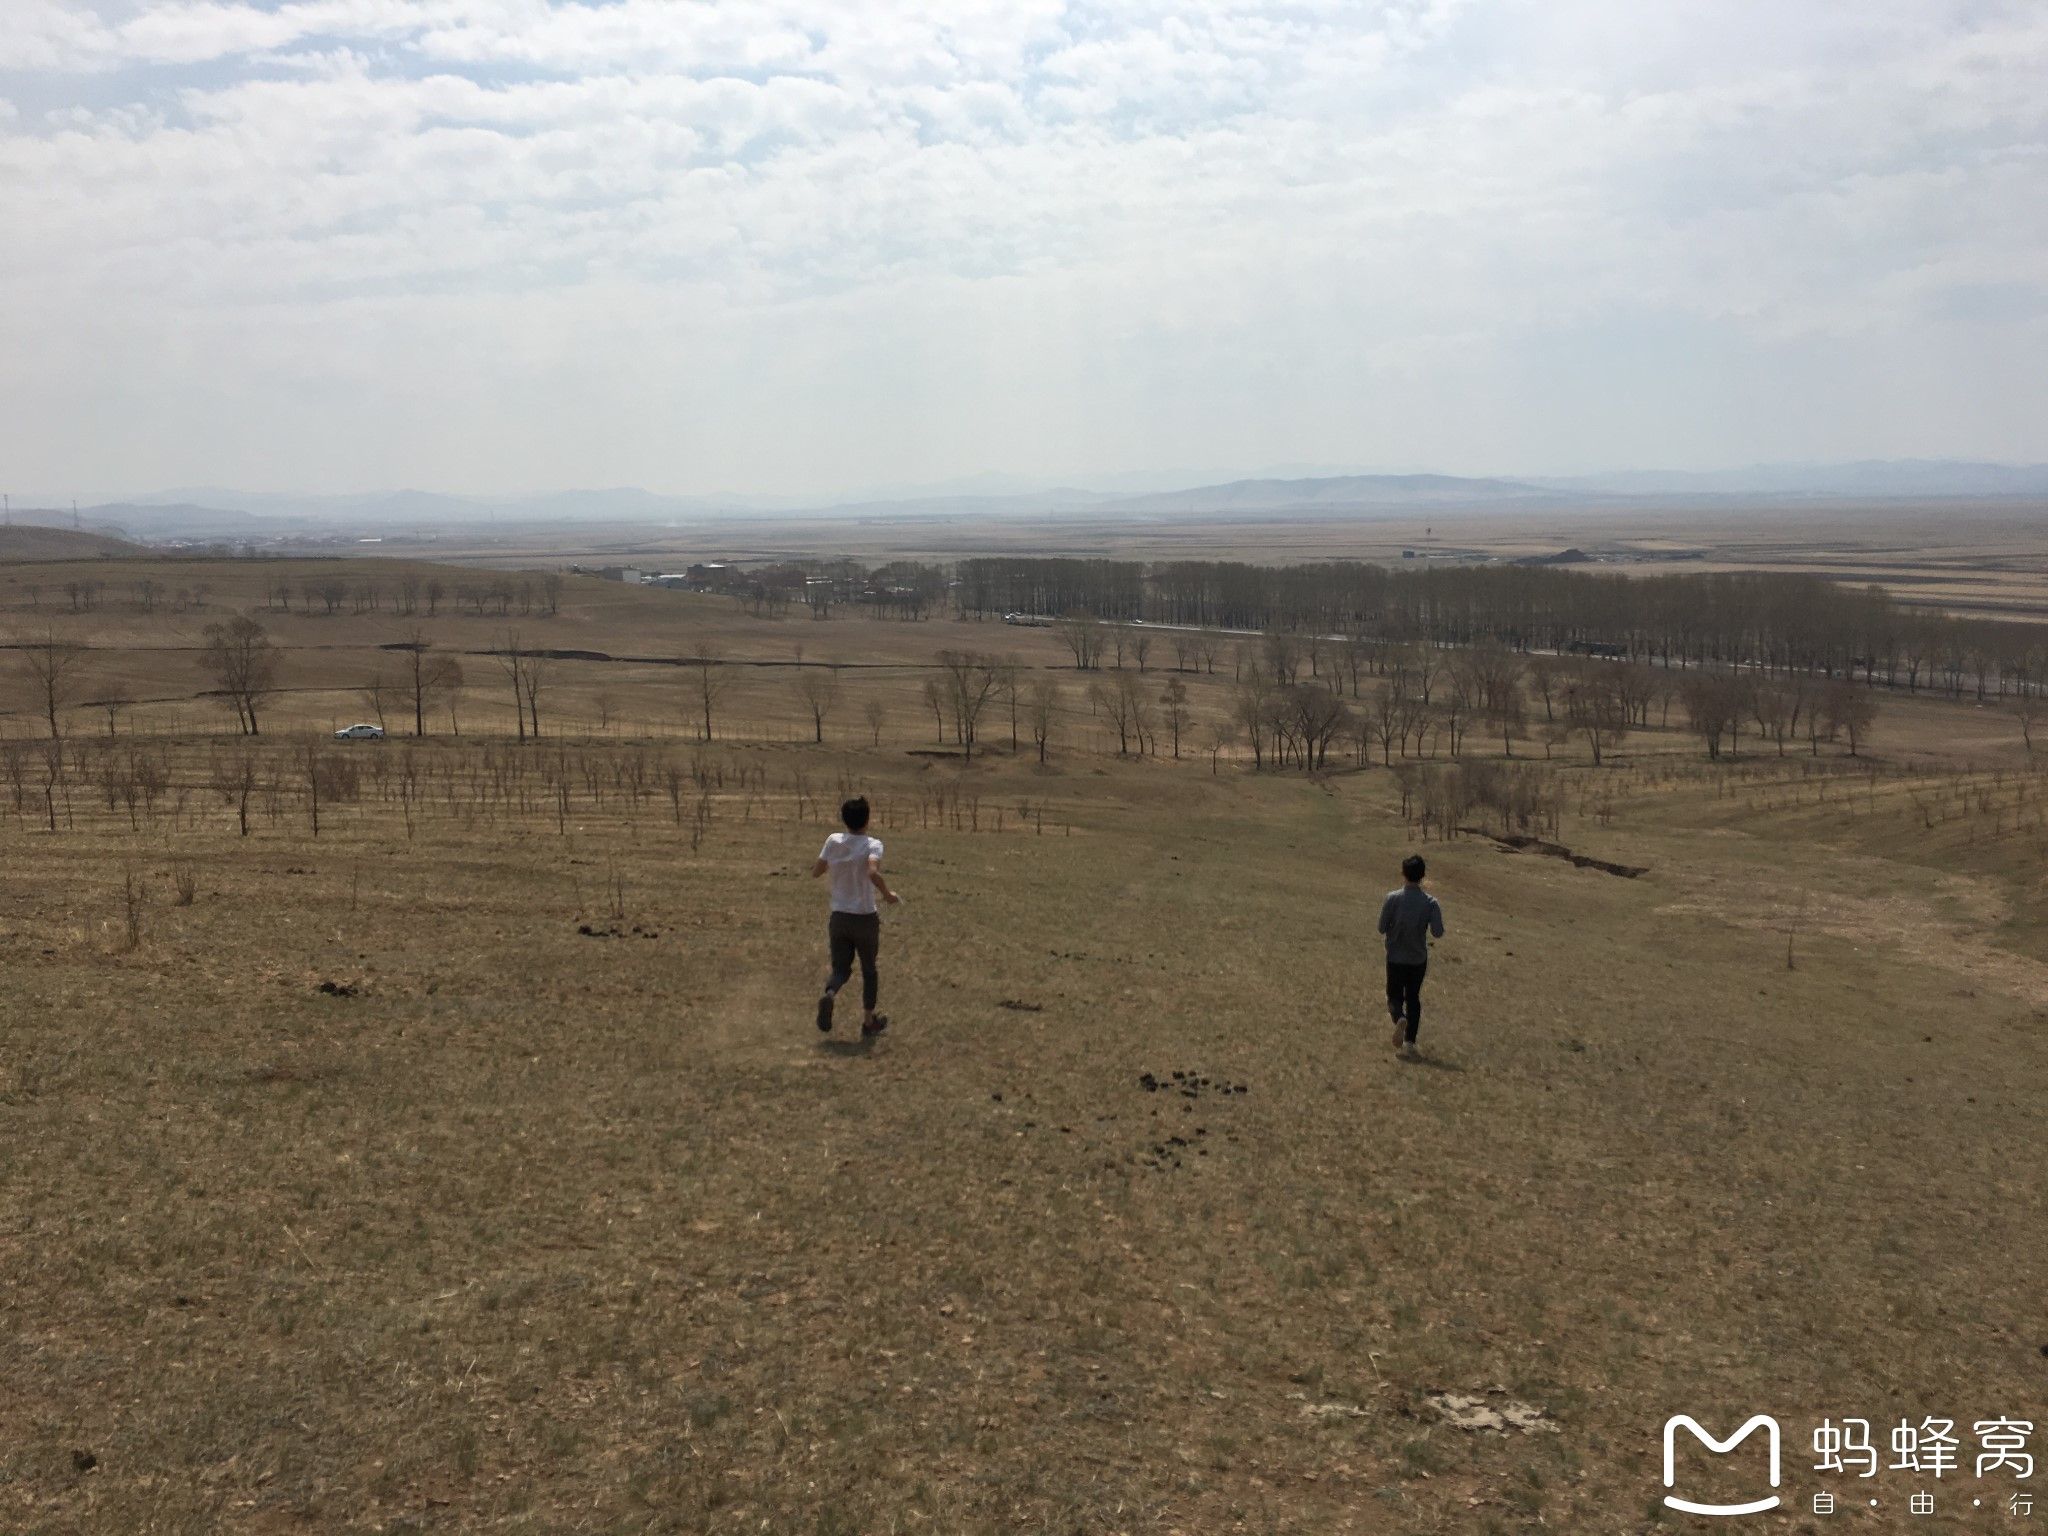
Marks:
<point>999,492</point>
<point>778,249</point>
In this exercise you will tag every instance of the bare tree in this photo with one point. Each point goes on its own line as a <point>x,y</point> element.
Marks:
<point>373,695</point>
<point>244,666</point>
<point>1010,687</point>
<point>711,681</point>
<point>1510,714</point>
<point>55,670</point>
<point>1128,709</point>
<point>1283,657</point>
<point>1082,633</point>
<point>1250,705</point>
<point>1710,704</point>
<point>536,678</point>
<point>1175,697</point>
<point>1385,716</point>
<point>428,675</point>
<point>1041,708</point>
<point>876,713</point>
<point>969,680</point>
<point>236,777</point>
<point>1851,709</point>
<point>1543,678</point>
<point>452,695</point>
<point>115,704</point>
<point>513,660</point>
<point>1595,708</point>
<point>1319,714</point>
<point>817,689</point>
<point>1217,739</point>
<point>2026,709</point>
<point>313,772</point>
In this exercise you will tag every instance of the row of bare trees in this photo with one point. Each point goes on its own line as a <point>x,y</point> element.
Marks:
<point>1773,622</point>
<point>412,593</point>
<point>1294,698</point>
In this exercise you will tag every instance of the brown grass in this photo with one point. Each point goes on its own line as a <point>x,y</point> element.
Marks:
<point>475,1165</point>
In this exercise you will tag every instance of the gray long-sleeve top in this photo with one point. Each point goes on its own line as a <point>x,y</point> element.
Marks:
<point>1408,917</point>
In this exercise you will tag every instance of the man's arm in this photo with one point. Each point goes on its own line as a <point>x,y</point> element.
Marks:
<point>819,868</point>
<point>1436,917</point>
<point>875,879</point>
<point>1386,914</point>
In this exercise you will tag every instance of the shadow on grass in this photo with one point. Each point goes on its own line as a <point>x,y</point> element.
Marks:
<point>863,1047</point>
<point>1434,1063</point>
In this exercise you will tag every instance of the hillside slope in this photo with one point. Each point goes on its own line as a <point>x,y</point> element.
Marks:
<point>29,541</point>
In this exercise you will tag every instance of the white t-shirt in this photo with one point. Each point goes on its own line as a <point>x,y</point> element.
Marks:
<point>848,853</point>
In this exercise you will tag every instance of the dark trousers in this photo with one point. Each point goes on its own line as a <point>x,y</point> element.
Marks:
<point>851,934</point>
<point>1404,993</point>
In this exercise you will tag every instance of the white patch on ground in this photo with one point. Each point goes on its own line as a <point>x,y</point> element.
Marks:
<point>1336,1408</point>
<point>1491,1410</point>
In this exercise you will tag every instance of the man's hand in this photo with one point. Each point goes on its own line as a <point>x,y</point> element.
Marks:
<point>893,899</point>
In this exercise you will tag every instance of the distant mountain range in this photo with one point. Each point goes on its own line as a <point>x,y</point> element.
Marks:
<point>1338,491</point>
<point>216,513</point>
<point>1868,477</point>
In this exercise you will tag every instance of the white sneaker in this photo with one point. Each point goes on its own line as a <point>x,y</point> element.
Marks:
<point>1400,1033</point>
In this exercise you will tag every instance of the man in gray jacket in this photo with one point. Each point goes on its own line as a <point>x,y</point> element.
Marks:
<point>1408,918</point>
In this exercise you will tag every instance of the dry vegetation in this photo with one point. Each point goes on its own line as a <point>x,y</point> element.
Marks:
<point>430,1135</point>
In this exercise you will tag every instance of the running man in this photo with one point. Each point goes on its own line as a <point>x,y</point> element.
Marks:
<point>1408,917</point>
<point>854,861</point>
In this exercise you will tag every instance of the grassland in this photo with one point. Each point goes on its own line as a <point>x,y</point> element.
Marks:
<point>474,1165</point>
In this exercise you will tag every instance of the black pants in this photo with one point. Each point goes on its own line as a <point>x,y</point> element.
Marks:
<point>1404,993</point>
<point>851,934</point>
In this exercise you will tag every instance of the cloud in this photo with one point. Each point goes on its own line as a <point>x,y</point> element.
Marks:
<point>1324,230</point>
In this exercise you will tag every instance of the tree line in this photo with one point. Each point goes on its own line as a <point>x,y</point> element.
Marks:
<point>1772,622</point>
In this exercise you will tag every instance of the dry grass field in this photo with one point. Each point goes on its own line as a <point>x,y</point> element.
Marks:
<point>474,1164</point>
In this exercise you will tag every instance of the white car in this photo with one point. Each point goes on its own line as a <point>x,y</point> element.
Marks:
<point>360,733</point>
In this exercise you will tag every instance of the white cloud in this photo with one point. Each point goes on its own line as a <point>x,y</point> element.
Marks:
<point>893,239</point>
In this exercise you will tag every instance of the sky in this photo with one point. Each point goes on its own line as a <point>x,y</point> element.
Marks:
<point>804,246</point>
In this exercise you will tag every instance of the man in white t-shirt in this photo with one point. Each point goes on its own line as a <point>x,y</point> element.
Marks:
<point>854,861</point>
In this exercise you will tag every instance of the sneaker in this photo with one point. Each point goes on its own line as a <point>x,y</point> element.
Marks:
<point>825,1014</point>
<point>873,1027</point>
<point>1400,1033</point>
<point>1410,1051</point>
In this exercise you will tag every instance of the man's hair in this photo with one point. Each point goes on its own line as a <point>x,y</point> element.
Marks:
<point>1412,867</point>
<point>855,814</point>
